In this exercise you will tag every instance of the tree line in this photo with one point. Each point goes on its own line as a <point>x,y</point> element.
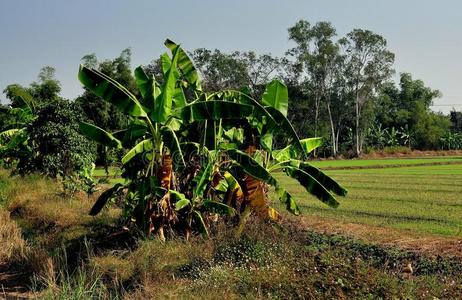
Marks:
<point>340,88</point>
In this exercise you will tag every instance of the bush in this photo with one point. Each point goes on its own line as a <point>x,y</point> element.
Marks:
<point>57,146</point>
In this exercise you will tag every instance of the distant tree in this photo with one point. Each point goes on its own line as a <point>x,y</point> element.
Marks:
<point>222,71</point>
<point>45,89</point>
<point>311,42</point>
<point>408,106</point>
<point>456,120</point>
<point>368,66</point>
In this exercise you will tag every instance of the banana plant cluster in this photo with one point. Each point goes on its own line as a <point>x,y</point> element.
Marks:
<point>193,156</point>
<point>13,139</point>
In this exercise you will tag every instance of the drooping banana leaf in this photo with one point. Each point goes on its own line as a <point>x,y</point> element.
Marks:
<point>322,178</point>
<point>313,186</point>
<point>103,199</point>
<point>276,96</point>
<point>99,135</point>
<point>111,91</point>
<point>171,141</point>
<point>200,223</point>
<point>143,146</point>
<point>179,199</point>
<point>254,169</point>
<point>219,208</point>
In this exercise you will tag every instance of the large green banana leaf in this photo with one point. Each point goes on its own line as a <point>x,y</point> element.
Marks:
<point>186,65</point>
<point>111,91</point>
<point>290,152</point>
<point>163,105</point>
<point>99,135</point>
<point>148,88</point>
<point>276,96</point>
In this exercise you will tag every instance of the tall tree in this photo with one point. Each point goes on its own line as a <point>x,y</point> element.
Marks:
<point>222,71</point>
<point>369,64</point>
<point>321,63</point>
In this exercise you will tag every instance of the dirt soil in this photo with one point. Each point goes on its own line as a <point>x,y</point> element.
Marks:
<point>412,153</point>
<point>15,283</point>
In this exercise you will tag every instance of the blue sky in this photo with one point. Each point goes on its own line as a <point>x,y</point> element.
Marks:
<point>426,36</point>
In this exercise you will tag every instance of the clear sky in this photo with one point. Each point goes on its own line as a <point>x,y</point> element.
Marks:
<point>425,35</point>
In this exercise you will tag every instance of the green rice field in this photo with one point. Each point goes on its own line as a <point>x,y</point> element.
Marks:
<point>424,199</point>
<point>347,163</point>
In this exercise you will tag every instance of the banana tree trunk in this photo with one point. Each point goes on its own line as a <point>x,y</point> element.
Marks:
<point>255,193</point>
<point>162,213</point>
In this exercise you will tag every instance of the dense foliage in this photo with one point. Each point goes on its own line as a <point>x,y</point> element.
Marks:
<point>194,155</point>
<point>56,145</point>
<point>40,133</point>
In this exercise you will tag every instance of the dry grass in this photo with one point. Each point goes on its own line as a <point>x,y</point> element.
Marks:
<point>266,262</point>
<point>13,246</point>
<point>50,218</point>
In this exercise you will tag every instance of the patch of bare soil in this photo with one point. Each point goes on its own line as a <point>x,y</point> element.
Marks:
<point>428,245</point>
<point>412,153</point>
<point>393,165</point>
<point>15,282</point>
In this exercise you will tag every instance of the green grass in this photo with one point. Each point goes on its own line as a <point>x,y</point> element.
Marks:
<point>100,172</point>
<point>384,162</point>
<point>425,199</point>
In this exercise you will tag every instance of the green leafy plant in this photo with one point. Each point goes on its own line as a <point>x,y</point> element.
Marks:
<point>192,156</point>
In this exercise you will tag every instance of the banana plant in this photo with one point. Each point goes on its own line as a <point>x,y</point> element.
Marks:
<point>257,165</point>
<point>192,156</point>
<point>13,138</point>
